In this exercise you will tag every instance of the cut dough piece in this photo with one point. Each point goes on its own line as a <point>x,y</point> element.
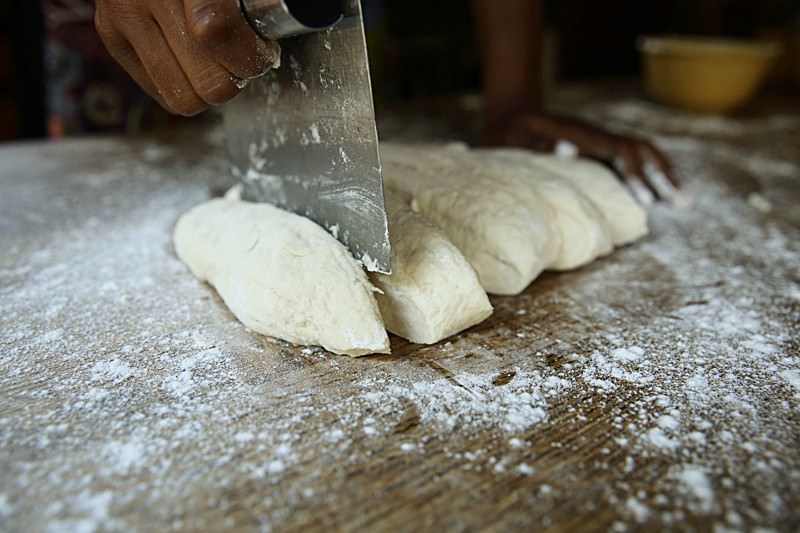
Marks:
<point>627,219</point>
<point>282,275</point>
<point>433,292</point>
<point>506,231</point>
<point>585,232</point>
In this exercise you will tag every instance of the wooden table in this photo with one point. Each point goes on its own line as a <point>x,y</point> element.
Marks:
<point>656,388</point>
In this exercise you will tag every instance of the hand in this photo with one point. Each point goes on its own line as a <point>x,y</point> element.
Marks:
<point>187,54</point>
<point>640,164</point>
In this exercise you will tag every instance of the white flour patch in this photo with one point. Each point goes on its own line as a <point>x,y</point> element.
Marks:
<point>695,482</point>
<point>639,511</point>
<point>792,377</point>
<point>525,469</point>
<point>658,438</point>
<point>466,401</point>
<point>122,457</point>
<point>627,355</point>
<point>114,371</point>
<point>90,513</point>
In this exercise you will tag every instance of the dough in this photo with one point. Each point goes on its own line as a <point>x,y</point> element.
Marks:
<point>511,214</point>
<point>511,218</point>
<point>433,292</point>
<point>626,218</point>
<point>282,275</point>
<point>506,232</point>
<point>585,232</point>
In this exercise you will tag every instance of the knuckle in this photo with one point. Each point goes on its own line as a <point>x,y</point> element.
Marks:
<point>210,27</point>
<point>652,154</point>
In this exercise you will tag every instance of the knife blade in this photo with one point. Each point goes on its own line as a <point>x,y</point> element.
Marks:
<point>303,136</point>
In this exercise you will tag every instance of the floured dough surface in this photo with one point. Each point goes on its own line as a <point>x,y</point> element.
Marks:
<point>433,292</point>
<point>507,233</point>
<point>511,216</point>
<point>282,275</point>
<point>626,218</point>
<point>585,233</point>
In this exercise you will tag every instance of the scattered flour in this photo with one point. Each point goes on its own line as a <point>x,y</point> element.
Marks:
<point>792,377</point>
<point>114,371</point>
<point>525,469</point>
<point>639,511</point>
<point>695,481</point>
<point>658,438</point>
<point>138,387</point>
<point>465,402</point>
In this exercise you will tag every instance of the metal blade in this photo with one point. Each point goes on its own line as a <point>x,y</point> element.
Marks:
<point>303,137</point>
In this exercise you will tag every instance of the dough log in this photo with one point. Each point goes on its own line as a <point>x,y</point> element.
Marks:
<point>282,275</point>
<point>506,232</point>
<point>585,234</point>
<point>626,218</point>
<point>433,292</point>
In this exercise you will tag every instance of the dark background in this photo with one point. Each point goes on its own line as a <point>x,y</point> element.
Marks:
<point>419,48</point>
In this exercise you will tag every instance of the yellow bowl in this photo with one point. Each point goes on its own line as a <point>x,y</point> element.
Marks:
<point>705,75</point>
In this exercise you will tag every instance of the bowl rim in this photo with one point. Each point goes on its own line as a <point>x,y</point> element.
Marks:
<point>695,45</point>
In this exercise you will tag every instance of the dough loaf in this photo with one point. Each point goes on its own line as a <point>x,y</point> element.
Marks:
<point>506,232</point>
<point>585,234</point>
<point>282,275</point>
<point>433,292</point>
<point>510,216</point>
<point>626,218</point>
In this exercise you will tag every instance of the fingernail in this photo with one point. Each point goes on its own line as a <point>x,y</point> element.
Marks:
<point>275,57</point>
<point>270,53</point>
<point>565,150</point>
<point>660,182</point>
<point>642,193</point>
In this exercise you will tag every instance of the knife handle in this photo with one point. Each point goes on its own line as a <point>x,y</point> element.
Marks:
<point>276,19</point>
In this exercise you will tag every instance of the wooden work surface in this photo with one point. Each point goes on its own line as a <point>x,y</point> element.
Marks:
<point>658,387</point>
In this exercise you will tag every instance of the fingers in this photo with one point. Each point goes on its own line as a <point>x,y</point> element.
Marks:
<point>650,155</point>
<point>135,40</point>
<point>211,82</point>
<point>626,161</point>
<point>163,67</point>
<point>123,53</point>
<point>187,54</point>
<point>219,29</point>
<point>640,164</point>
<point>661,177</point>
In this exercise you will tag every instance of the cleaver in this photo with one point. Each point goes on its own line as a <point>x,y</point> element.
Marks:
<point>303,136</point>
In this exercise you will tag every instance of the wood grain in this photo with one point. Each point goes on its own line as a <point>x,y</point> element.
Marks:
<point>132,400</point>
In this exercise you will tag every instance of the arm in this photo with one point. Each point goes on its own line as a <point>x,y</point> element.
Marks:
<point>510,34</point>
<point>187,54</point>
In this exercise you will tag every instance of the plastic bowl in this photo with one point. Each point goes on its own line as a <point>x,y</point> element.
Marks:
<point>705,75</point>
